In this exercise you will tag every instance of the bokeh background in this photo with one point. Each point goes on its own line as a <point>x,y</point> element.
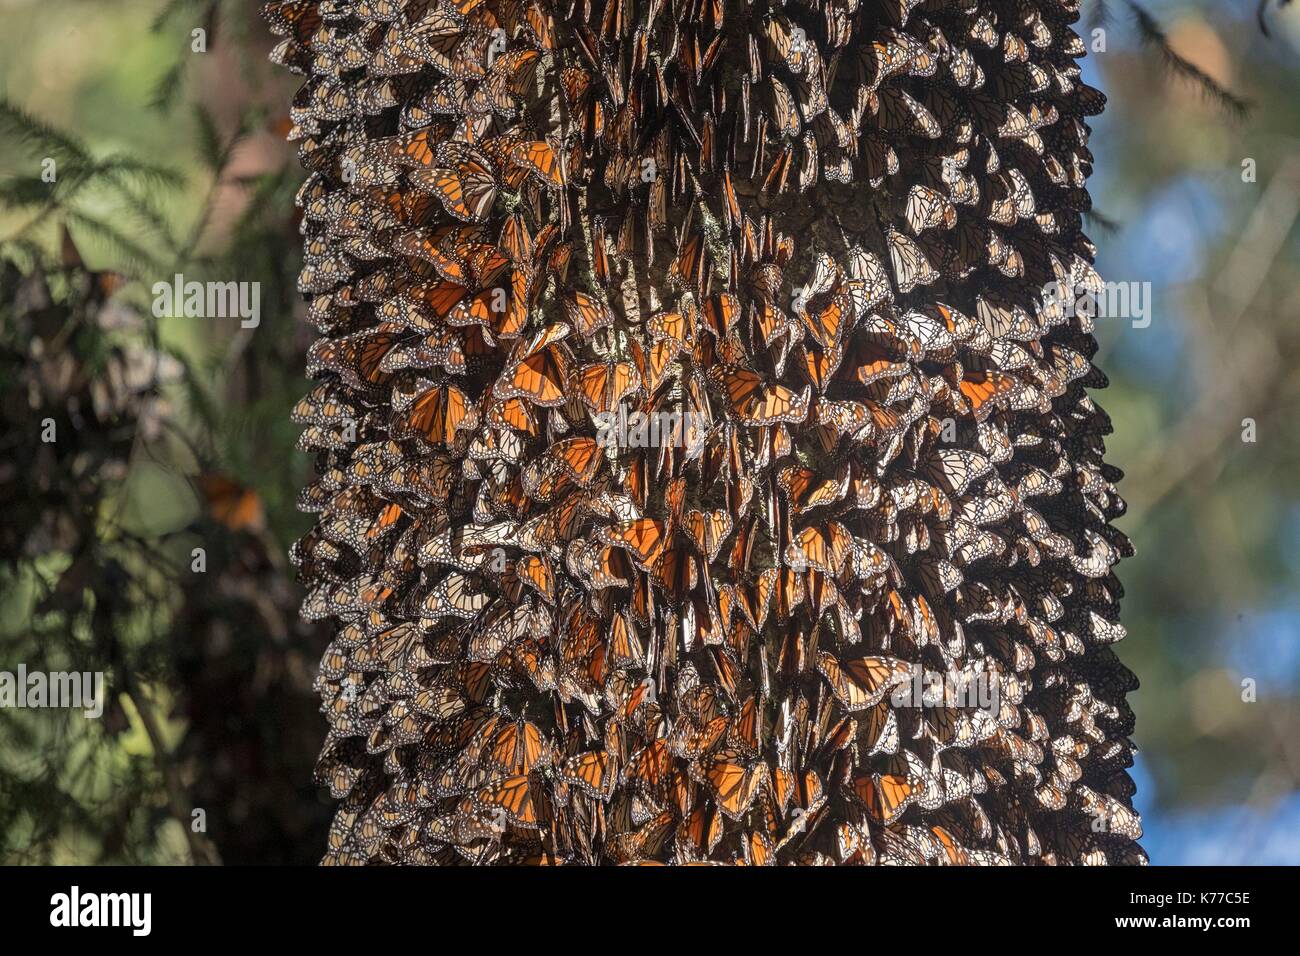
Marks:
<point>171,160</point>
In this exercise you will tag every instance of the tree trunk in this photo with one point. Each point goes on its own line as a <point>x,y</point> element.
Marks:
<point>704,474</point>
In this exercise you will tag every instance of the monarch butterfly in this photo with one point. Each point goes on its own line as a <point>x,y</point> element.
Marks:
<point>417,306</point>
<point>467,188</point>
<point>644,538</point>
<point>893,110</point>
<point>985,390</point>
<point>437,415</point>
<point>655,364</point>
<point>592,771</point>
<point>429,246</point>
<point>823,550</point>
<point>536,572</point>
<point>677,572</point>
<point>540,160</point>
<point>604,385</point>
<point>506,80</point>
<point>579,456</point>
<point>911,267</point>
<point>489,309</point>
<point>708,530</point>
<point>231,504</point>
<point>756,403</point>
<point>890,54</point>
<point>927,209</point>
<point>956,469</point>
<point>785,113</point>
<point>721,313</point>
<point>688,267</point>
<point>515,798</point>
<point>733,784</point>
<point>599,565</point>
<point>516,749</point>
<point>357,358</point>
<point>499,630</point>
<point>326,404</point>
<point>886,796</point>
<point>586,314</point>
<point>301,18</point>
<point>516,240</point>
<point>753,599</point>
<point>862,683</point>
<point>729,197</point>
<point>806,489</point>
<point>830,324</point>
<point>455,596</point>
<point>647,842</point>
<point>676,326</point>
<point>624,648</point>
<point>1002,319</point>
<point>541,372</point>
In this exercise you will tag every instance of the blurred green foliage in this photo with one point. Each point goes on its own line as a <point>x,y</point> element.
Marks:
<point>166,161</point>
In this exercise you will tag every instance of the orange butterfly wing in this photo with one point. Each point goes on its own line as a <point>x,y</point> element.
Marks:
<point>467,191</point>
<point>983,389</point>
<point>539,159</point>
<point>437,415</point>
<point>586,314</point>
<point>535,571</point>
<point>645,538</point>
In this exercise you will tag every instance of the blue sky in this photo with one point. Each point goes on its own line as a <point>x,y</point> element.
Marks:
<point>1258,836</point>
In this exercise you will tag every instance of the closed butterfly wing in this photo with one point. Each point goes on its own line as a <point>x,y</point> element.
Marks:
<point>708,530</point>
<point>586,314</point>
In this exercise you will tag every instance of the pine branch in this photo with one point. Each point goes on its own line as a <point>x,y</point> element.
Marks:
<point>1262,9</point>
<point>217,155</point>
<point>169,83</point>
<point>1100,16</point>
<point>21,192</point>
<point>212,150</point>
<point>136,260</point>
<point>22,251</point>
<point>140,171</point>
<point>27,129</point>
<point>1153,35</point>
<point>169,10</point>
<point>1103,222</point>
<point>202,852</point>
<point>165,90</point>
<point>149,217</point>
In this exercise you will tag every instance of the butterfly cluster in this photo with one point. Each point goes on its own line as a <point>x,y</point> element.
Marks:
<point>811,236</point>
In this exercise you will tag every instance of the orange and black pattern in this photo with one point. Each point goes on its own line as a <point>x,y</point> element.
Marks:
<point>813,237</point>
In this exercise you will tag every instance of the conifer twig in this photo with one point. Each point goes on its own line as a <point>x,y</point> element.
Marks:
<point>1152,34</point>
